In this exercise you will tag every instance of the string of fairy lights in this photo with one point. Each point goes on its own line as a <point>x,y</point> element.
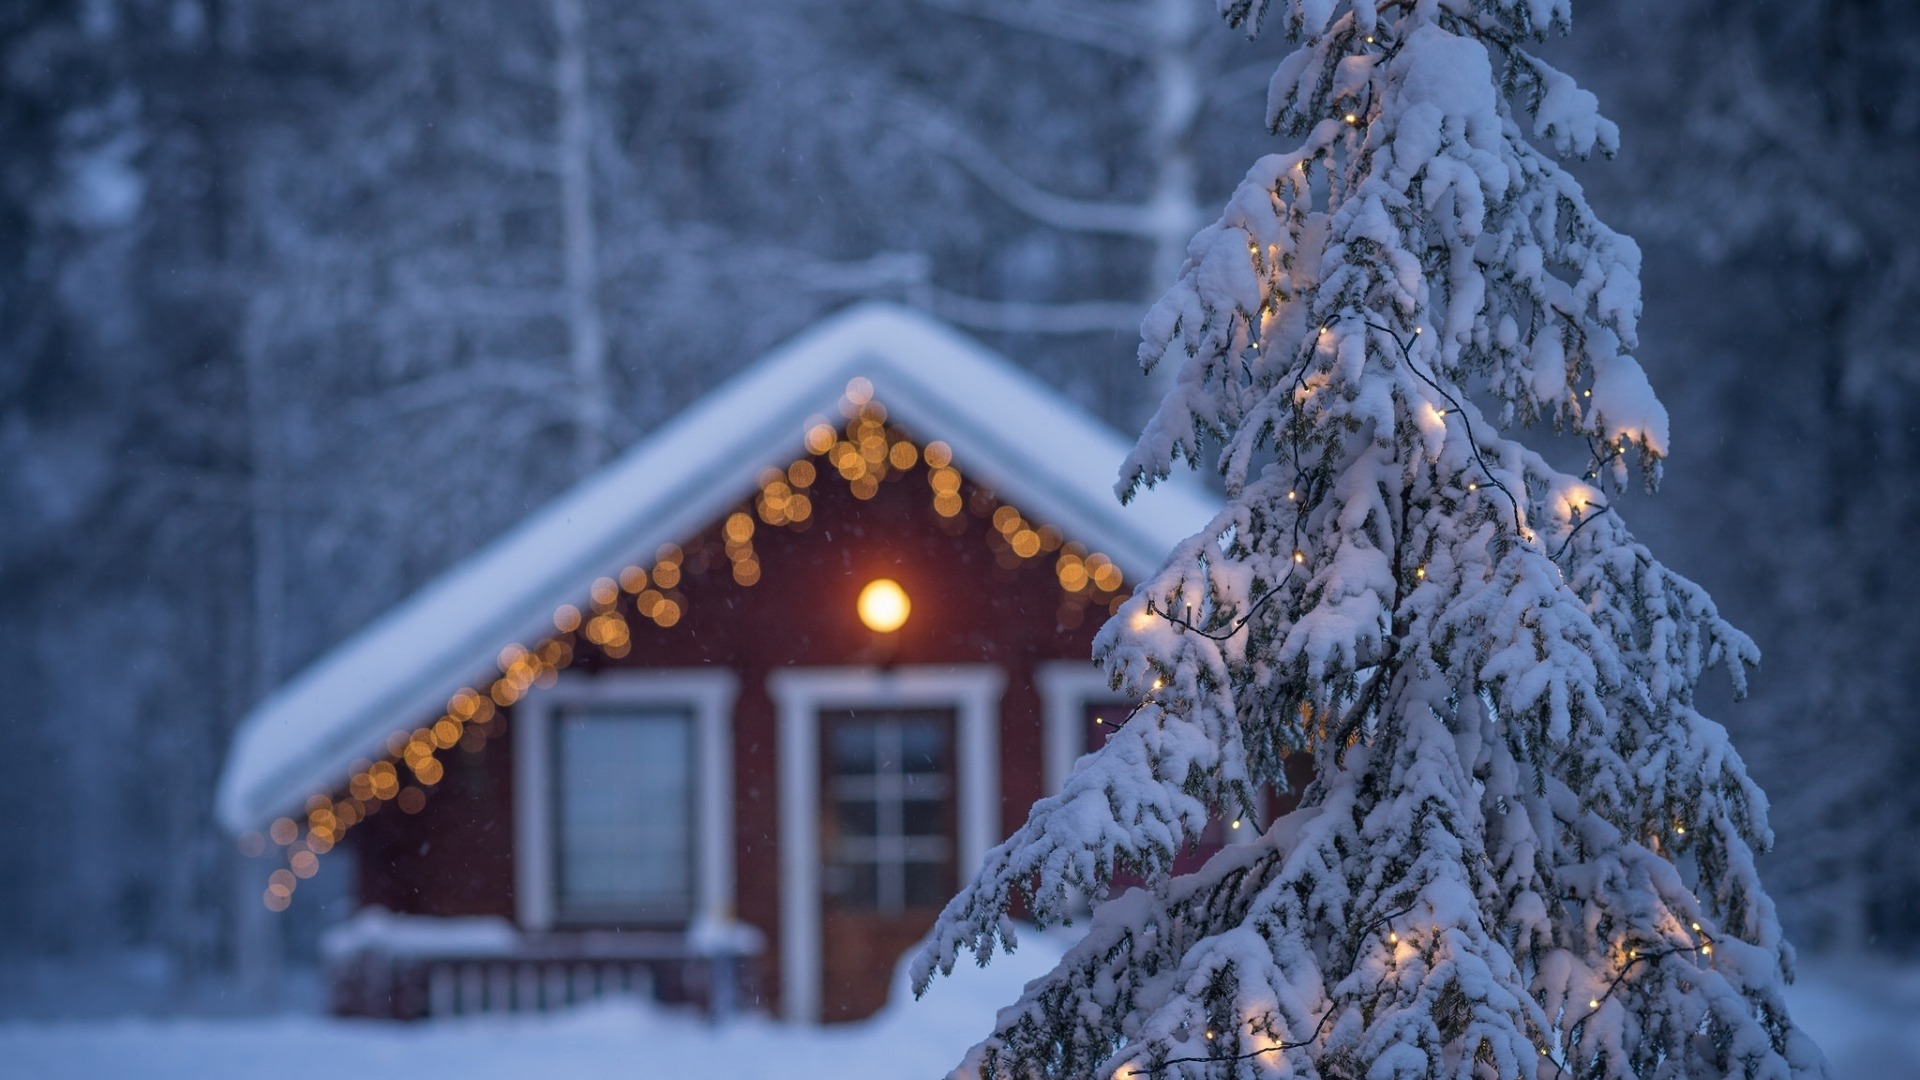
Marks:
<point>865,451</point>
<point>1581,511</point>
<point>1422,946</point>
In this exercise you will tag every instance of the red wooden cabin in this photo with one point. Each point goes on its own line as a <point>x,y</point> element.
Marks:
<point>646,739</point>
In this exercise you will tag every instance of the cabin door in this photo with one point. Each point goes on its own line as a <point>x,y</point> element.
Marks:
<point>887,845</point>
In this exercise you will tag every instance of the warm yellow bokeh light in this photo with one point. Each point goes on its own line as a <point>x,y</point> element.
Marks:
<point>884,605</point>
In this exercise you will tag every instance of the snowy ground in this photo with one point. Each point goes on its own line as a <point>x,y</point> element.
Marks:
<point>1867,1016</point>
<point>1863,1013</point>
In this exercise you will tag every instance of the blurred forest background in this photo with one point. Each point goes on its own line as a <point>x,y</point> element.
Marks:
<point>300,303</point>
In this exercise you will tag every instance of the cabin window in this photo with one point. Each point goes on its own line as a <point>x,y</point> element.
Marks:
<point>623,799</point>
<point>623,813</point>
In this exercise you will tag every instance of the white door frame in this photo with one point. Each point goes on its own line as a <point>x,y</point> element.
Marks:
<point>799,695</point>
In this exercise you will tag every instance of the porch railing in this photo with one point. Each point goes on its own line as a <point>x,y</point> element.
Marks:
<point>409,967</point>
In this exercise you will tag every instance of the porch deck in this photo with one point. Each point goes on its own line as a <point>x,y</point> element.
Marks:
<point>408,967</point>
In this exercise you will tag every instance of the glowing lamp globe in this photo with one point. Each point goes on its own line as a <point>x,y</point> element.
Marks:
<point>883,605</point>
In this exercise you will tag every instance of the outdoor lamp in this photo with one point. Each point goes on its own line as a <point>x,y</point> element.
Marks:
<point>883,605</point>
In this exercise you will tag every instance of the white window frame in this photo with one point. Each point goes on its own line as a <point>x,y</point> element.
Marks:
<point>800,695</point>
<point>1066,686</point>
<point>708,693</point>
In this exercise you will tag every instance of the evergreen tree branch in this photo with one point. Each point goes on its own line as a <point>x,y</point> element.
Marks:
<point>1319,1029</point>
<point>1502,735</point>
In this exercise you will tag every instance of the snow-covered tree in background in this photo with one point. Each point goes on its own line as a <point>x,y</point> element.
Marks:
<point>1524,853</point>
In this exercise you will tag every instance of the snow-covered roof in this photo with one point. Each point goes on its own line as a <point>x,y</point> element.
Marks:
<point>1014,435</point>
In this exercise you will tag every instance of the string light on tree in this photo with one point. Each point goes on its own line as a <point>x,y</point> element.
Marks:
<point>1497,690</point>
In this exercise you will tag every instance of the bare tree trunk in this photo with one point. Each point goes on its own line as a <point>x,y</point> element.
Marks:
<point>257,941</point>
<point>1164,36</point>
<point>1173,207</point>
<point>585,329</point>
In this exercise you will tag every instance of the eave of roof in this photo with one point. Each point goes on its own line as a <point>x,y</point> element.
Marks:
<point>1033,447</point>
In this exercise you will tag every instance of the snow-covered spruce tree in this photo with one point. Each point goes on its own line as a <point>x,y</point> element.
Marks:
<point>1524,853</point>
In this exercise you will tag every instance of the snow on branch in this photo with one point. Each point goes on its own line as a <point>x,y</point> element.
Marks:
<point>1523,853</point>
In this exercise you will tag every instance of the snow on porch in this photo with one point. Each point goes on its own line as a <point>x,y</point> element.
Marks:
<point>1013,434</point>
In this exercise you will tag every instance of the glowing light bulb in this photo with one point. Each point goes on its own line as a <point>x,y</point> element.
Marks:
<point>1235,825</point>
<point>883,605</point>
<point>1352,119</point>
<point>1593,1003</point>
<point>1292,495</point>
<point>1420,573</point>
<point>1473,487</point>
<point>1393,937</point>
<point>1417,329</point>
<point>1696,927</point>
<point>1299,556</point>
<point>1706,950</point>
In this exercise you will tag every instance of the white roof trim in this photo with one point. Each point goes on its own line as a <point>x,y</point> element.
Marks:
<point>1033,447</point>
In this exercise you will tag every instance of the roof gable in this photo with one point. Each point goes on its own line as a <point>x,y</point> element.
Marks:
<point>1009,432</point>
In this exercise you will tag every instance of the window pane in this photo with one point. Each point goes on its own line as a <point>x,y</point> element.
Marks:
<point>853,748</point>
<point>926,884</point>
<point>888,795</point>
<point>858,817</point>
<point>923,817</point>
<point>625,789</point>
<point>923,746</point>
<point>1103,718</point>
